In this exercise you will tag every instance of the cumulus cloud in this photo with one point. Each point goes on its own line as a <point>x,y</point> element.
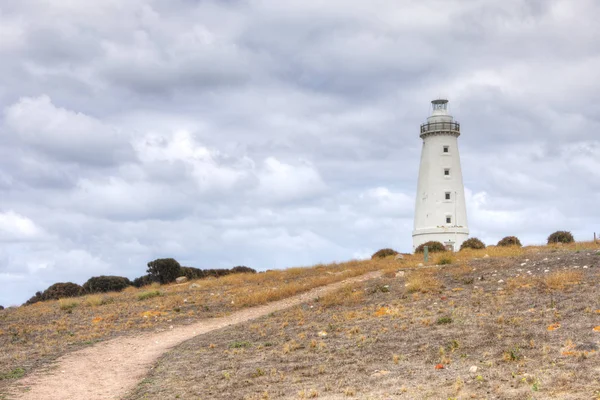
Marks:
<point>274,134</point>
<point>63,134</point>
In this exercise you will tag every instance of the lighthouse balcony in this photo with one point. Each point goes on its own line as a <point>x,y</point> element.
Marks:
<point>432,128</point>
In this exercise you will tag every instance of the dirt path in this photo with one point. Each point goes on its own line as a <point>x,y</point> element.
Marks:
<point>110,369</point>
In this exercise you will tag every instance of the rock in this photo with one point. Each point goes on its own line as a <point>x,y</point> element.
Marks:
<point>400,274</point>
<point>486,256</point>
<point>194,286</point>
<point>322,334</point>
<point>399,257</point>
<point>419,264</point>
<point>377,374</point>
<point>500,281</point>
<point>588,346</point>
<point>473,369</point>
<point>181,279</point>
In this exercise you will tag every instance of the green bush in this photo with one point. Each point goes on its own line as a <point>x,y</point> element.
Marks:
<point>242,269</point>
<point>196,273</point>
<point>57,291</point>
<point>383,253</point>
<point>164,270</point>
<point>510,241</point>
<point>143,281</point>
<point>148,295</point>
<point>472,243</point>
<point>103,283</point>
<point>561,237</point>
<point>434,247</point>
<point>444,260</point>
<point>1,307</point>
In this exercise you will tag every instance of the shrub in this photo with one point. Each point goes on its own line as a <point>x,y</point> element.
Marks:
<point>444,260</point>
<point>1,307</point>
<point>434,247</point>
<point>102,284</point>
<point>472,243</point>
<point>242,269</point>
<point>196,273</point>
<point>164,270</point>
<point>148,295</point>
<point>561,237</point>
<point>60,290</point>
<point>57,291</point>
<point>144,280</point>
<point>509,241</point>
<point>67,304</point>
<point>383,253</point>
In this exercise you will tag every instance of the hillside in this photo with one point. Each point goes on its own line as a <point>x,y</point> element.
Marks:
<point>494,323</point>
<point>526,326</point>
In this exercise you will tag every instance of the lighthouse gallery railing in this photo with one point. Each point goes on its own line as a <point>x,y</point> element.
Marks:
<point>440,126</point>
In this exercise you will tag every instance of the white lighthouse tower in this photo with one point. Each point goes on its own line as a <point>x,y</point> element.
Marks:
<point>440,210</point>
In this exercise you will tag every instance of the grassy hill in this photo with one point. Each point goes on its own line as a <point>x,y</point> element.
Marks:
<point>523,324</point>
<point>494,323</point>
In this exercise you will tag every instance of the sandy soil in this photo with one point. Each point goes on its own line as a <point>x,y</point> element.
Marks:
<point>110,369</point>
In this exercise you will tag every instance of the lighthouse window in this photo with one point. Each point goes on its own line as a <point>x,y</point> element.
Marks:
<point>447,171</point>
<point>448,220</point>
<point>446,149</point>
<point>447,195</point>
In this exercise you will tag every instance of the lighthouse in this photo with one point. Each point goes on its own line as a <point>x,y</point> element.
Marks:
<point>440,210</point>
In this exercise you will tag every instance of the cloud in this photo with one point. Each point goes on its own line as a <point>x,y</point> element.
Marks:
<point>274,134</point>
<point>18,228</point>
<point>65,135</point>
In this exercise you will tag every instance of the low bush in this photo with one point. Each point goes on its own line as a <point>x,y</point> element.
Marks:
<point>144,280</point>
<point>196,273</point>
<point>148,295</point>
<point>67,304</point>
<point>444,260</point>
<point>1,307</point>
<point>509,241</point>
<point>560,237</point>
<point>164,270</point>
<point>472,243</point>
<point>57,291</point>
<point>103,284</point>
<point>434,247</point>
<point>242,269</point>
<point>383,253</point>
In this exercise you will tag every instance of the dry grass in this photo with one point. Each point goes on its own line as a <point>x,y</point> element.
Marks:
<point>532,345</point>
<point>422,281</point>
<point>561,279</point>
<point>34,335</point>
<point>347,295</point>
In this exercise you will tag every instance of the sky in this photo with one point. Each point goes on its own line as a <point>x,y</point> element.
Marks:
<point>273,133</point>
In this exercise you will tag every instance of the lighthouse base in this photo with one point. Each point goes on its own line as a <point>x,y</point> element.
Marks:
<point>451,237</point>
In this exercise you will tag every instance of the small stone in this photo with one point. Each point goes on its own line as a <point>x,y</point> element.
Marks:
<point>400,274</point>
<point>322,333</point>
<point>546,271</point>
<point>185,300</point>
<point>585,267</point>
<point>486,256</point>
<point>500,281</point>
<point>523,264</point>
<point>419,264</point>
<point>473,369</point>
<point>588,346</point>
<point>194,286</point>
<point>399,257</point>
<point>181,279</point>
